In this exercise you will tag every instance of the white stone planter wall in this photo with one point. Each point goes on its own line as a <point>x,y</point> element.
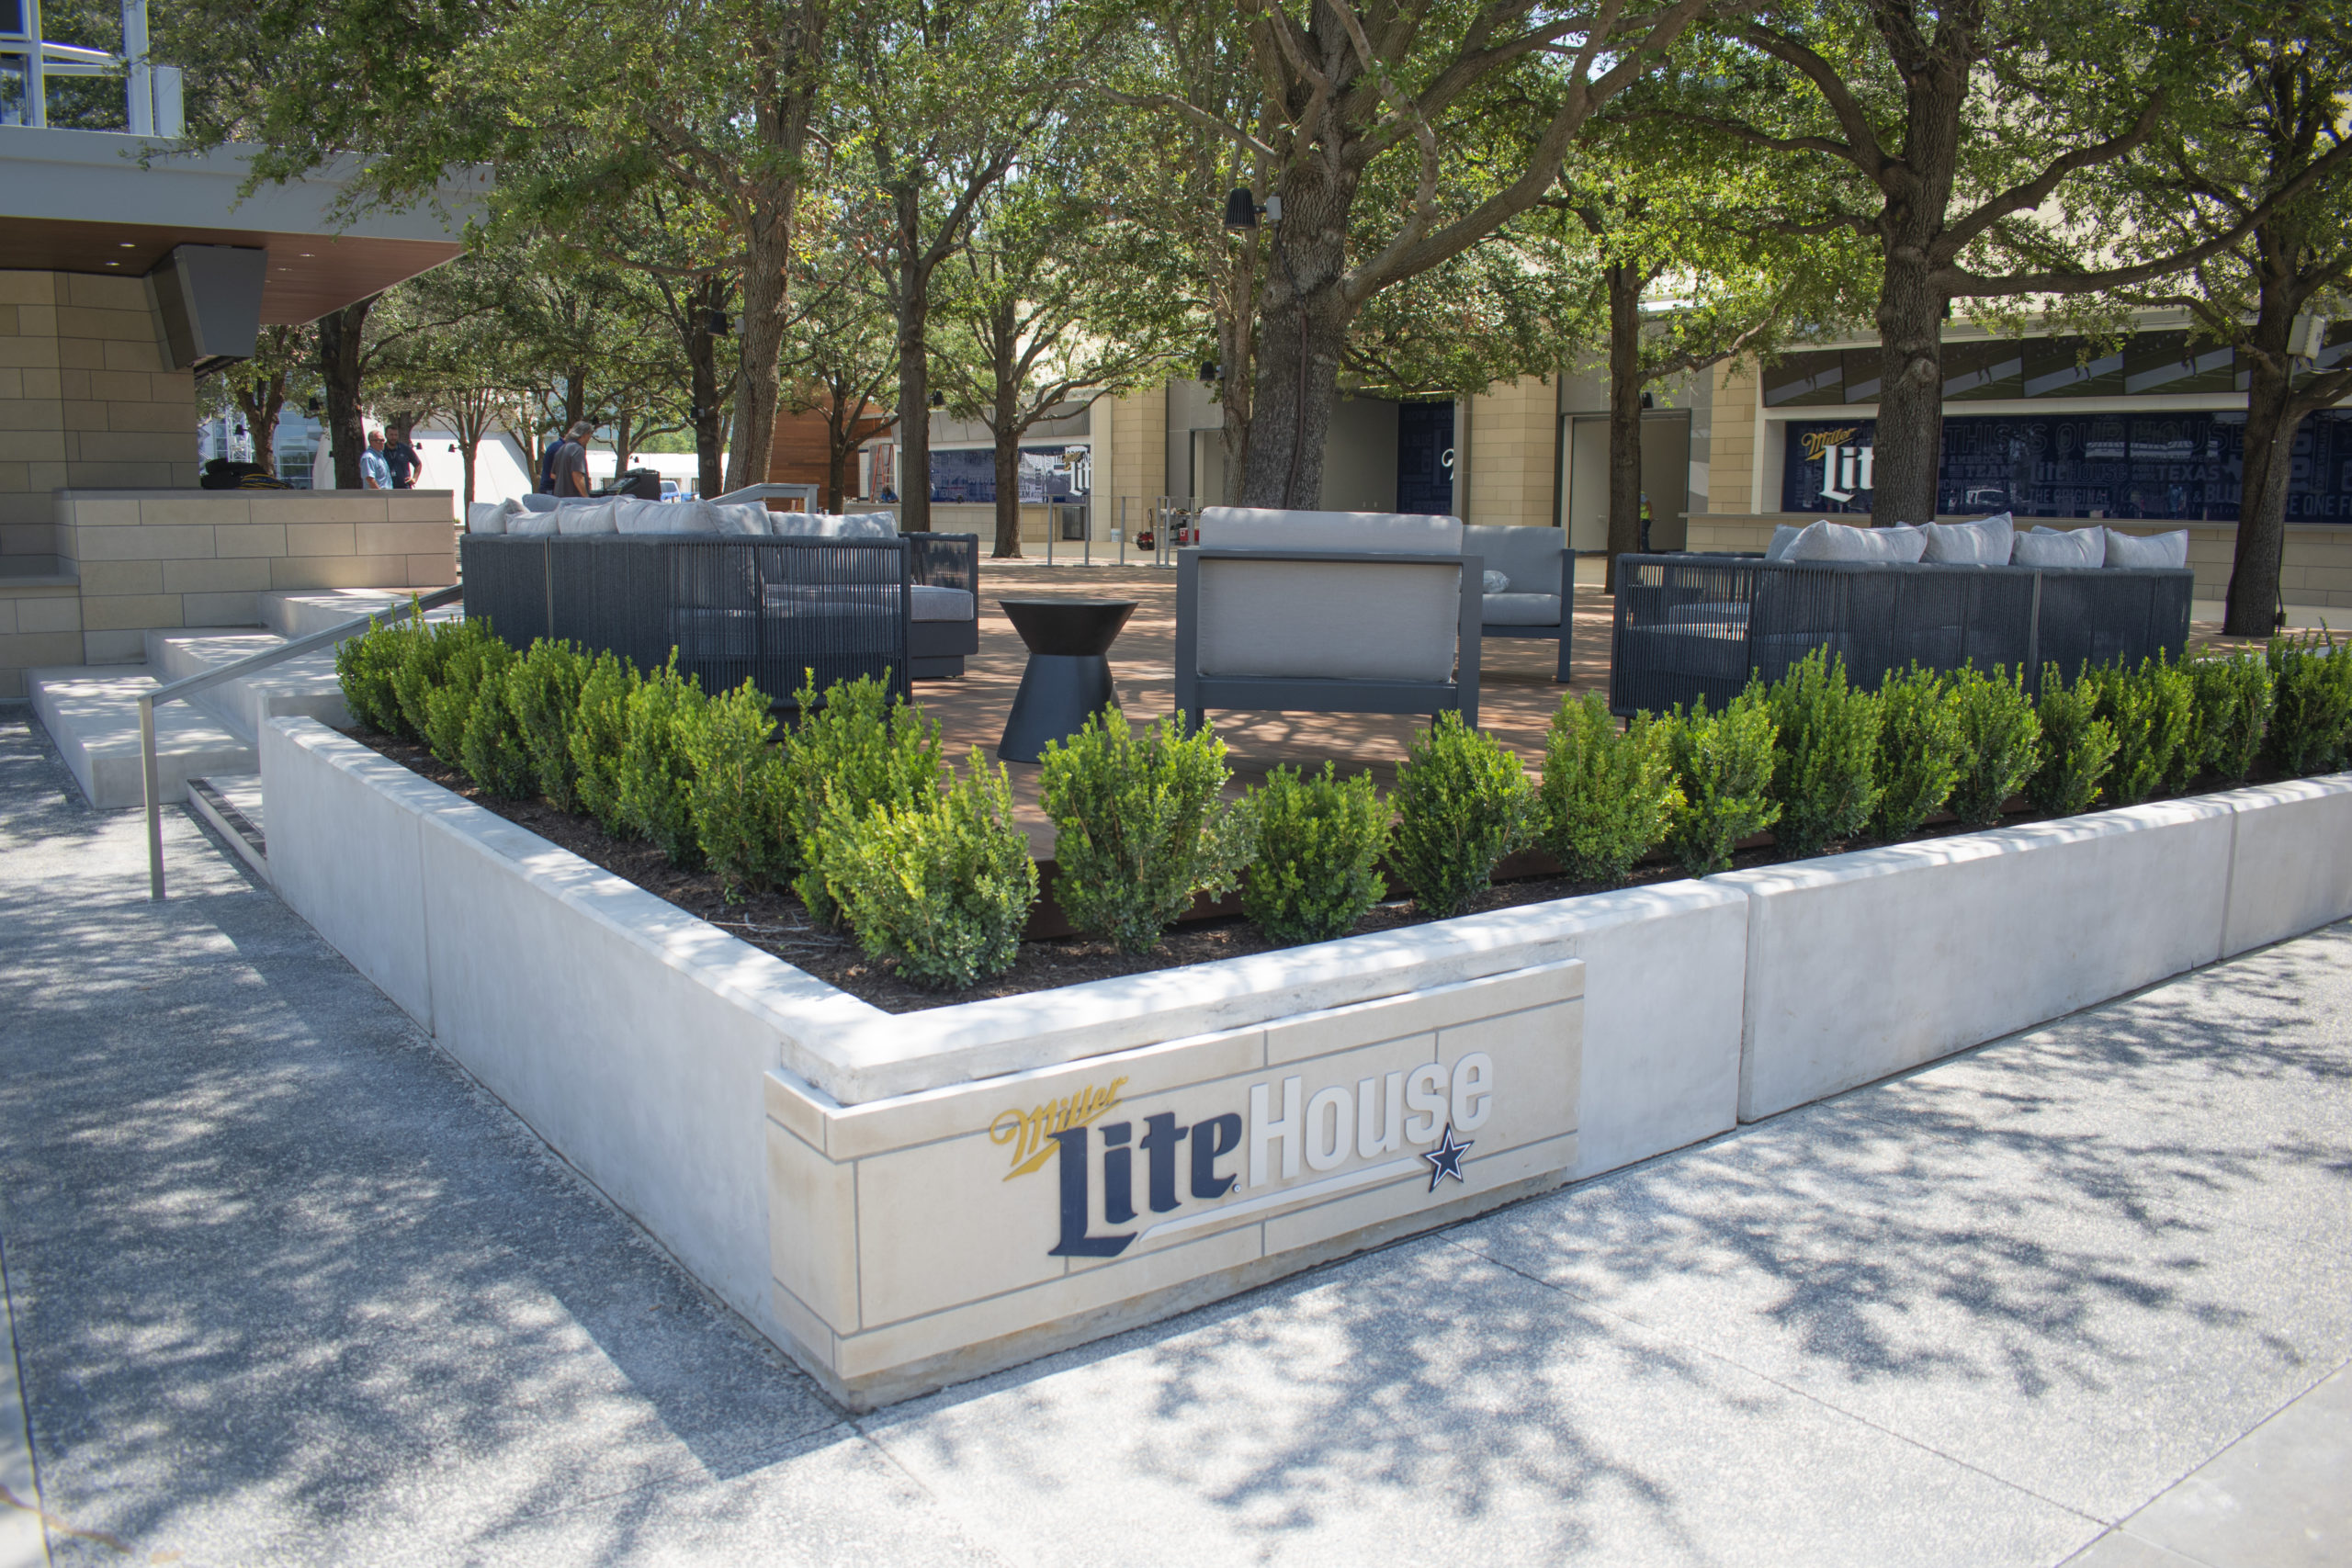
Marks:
<point>829,1169</point>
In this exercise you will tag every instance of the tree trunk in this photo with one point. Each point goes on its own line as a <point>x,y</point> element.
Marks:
<point>701,359</point>
<point>1624,283</point>
<point>339,343</point>
<point>1005,424</point>
<point>2270,423</point>
<point>466,450</point>
<point>1909,447</point>
<point>914,366</point>
<point>1302,333</point>
<point>575,397</point>
<point>761,338</point>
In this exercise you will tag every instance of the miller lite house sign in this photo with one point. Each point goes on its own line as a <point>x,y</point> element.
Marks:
<point>934,1236</point>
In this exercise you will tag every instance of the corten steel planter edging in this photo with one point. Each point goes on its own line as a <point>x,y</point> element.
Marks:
<point>1691,626</point>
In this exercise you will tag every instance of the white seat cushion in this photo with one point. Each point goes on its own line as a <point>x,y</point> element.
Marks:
<point>931,603</point>
<point>2060,547</point>
<point>743,520</point>
<point>2151,550</point>
<point>1825,540</point>
<point>1985,542</point>
<point>1346,620</point>
<point>1392,533</point>
<point>1521,610</point>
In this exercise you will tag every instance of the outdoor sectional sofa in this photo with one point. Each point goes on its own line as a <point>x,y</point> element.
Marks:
<point>1692,627</point>
<point>739,606</point>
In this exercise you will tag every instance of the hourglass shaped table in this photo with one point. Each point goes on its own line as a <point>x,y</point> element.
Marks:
<point>1069,674</point>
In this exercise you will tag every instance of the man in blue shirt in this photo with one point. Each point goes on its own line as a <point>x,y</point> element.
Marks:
<point>374,472</point>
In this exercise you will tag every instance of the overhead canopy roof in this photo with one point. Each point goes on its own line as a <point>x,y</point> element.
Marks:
<point>78,201</point>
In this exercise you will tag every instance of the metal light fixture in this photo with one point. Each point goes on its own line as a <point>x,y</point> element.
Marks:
<point>1209,372</point>
<point>939,399</point>
<point>313,406</point>
<point>716,324</point>
<point>1242,211</point>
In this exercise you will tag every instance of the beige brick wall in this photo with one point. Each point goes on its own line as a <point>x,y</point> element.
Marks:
<point>40,624</point>
<point>156,559</point>
<point>86,399</point>
<point>1138,457</point>
<point>1731,446</point>
<point>1514,453</point>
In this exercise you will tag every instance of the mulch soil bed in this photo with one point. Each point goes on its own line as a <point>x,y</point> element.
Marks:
<point>778,923</point>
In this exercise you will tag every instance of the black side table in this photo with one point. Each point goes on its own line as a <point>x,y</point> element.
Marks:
<point>1068,676</point>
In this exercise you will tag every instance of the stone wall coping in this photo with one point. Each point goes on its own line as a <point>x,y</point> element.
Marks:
<point>43,582</point>
<point>66,492</point>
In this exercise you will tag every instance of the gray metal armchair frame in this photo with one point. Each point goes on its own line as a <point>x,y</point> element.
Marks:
<point>1565,633</point>
<point>1689,627</point>
<point>769,611</point>
<point>936,649</point>
<point>1197,694</point>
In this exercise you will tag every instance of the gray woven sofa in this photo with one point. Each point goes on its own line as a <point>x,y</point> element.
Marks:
<point>1540,598</point>
<point>766,610</point>
<point>1327,612</point>
<point>1689,627</point>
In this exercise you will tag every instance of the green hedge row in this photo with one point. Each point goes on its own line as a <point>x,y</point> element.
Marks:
<point>856,809</point>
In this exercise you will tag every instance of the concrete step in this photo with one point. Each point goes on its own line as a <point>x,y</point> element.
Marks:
<point>305,684</point>
<point>234,807</point>
<point>92,714</point>
<point>299,614</point>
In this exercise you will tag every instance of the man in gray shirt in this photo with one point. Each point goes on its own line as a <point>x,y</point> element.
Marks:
<point>571,461</point>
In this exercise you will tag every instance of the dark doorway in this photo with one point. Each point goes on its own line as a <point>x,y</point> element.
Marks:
<point>1425,457</point>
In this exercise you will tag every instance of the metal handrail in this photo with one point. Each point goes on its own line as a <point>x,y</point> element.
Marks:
<point>187,687</point>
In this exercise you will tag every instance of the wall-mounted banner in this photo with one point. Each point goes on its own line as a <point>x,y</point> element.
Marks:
<point>2185,466</point>
<point>1152,1173</point>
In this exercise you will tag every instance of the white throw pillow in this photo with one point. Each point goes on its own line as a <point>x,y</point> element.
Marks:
<point>1824,540</point>
<point>601,518</point>
<point>744,520</point>
<point>2153,549</point>
<point>2061,548</point>
<point>1985,542</point>
<point>1783,536</point>
<point>529,525</point>
<point>489,516</point>
<point>1496,581</point>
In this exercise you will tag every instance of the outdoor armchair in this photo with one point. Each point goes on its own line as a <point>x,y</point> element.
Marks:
<point>1327,612</point>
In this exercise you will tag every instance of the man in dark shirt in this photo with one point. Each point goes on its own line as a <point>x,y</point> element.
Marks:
<point>570,465</point>
<point>399,454</point>
<point>546,466</point>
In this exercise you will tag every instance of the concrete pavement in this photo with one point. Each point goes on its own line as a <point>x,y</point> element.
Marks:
<point>286,1288</point>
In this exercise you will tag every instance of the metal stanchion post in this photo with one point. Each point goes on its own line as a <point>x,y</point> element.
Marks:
<point>154,800</point>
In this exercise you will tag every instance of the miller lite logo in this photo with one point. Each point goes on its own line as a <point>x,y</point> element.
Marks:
<point>1845,468</point>
<point>1159,1173</point>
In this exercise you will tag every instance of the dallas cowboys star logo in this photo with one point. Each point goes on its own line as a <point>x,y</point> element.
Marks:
<point>1446,1159</point>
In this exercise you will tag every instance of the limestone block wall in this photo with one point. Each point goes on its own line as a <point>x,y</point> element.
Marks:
<point>87,398</point>
<point>1513,454</point>
<point>41,622</point>
<point>149,559</point>
<point>1731,443</point>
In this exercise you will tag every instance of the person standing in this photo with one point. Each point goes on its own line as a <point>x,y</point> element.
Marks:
<point>401,456</point>
<point>547,465</point>
<point>375,473</point>
<point>571,465</point>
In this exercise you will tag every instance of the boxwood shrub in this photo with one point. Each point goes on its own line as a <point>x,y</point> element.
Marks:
<point>1316,867</point>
